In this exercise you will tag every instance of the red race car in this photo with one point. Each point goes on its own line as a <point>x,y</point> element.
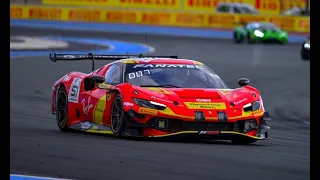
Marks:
<point>157,97</point>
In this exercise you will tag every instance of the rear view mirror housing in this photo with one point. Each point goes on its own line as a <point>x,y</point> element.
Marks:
<point>91,81</point>
<point>243,82</point>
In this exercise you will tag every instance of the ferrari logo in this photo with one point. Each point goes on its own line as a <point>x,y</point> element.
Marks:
<point>108,96</point>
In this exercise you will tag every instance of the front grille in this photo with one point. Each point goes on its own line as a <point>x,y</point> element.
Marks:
<point>174,125</point>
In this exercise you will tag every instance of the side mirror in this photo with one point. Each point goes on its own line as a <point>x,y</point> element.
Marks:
<point>243,82</point>
<point>90,82</point>
<point>97,79</point>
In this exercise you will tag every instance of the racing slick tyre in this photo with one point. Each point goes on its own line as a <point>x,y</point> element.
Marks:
<point>237,39</point>
<point>303,55</point>
<point>118,121</point>
<point>62,109</point>
<point>243,141</point>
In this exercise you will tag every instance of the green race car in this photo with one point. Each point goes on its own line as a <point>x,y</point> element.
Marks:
<point>260,32</point>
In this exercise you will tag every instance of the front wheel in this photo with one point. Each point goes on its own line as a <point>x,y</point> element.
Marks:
<point>118,121</point>
<point>62,109</point>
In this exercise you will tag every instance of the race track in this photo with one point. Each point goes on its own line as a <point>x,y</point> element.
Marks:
<point>38,148</point>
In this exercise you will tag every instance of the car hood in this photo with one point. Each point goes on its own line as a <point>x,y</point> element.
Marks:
<point>200,98</point>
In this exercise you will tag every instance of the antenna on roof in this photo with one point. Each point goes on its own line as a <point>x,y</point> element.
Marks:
<point>147,43</point>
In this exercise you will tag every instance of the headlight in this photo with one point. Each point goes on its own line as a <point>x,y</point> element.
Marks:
<point>307,45</point>
<point>252,106</point>
<point>258,33</point>
<point>149,104</point>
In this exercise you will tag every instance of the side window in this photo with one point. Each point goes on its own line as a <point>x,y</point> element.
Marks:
<point>114,74</point>
<point>223,9</point>
<point>236,10</point>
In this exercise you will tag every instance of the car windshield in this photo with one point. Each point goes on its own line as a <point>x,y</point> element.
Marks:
<point>173,75</point>
<point>249,10</point>
<point>263,26</point>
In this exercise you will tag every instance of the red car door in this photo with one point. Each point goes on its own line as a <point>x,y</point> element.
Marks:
<point>97,103</point>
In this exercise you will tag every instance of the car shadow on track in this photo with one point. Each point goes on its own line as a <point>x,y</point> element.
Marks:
<point>185,140</point>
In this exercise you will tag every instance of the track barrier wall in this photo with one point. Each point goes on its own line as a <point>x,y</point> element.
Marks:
<point>177,13</point>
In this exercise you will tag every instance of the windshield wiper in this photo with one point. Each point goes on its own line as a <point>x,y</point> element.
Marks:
<point>166,86</point>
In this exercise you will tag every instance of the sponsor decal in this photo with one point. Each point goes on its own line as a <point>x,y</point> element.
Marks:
<point>221,20</point>
<point>303,24</point>
<point>99,110</point>
<point>283,22</point>
<point>166,66</point>
<point>74,90</point>
<point>121,16</point>
<point>209,132</point>
<point>143,110</point>
<point>85,125</point>
<point>84,15</point>
<point>80,2</point>
<point>156,18</point>
<point>190,19</point>
<point>250,18</point>
<point>268,6</point>
<point>16,12</point>
<point>203,100</point>
<point>203,105</point>
<point>241,101</point>
<point>160,99</point>
<point>86,106</point>
<point>139,74</point>
<point>288,4</point>
<point>154,4</point>
<point>127,104</point>
<point>45,13</point>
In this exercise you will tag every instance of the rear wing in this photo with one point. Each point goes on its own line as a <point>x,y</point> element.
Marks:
<point>54,57</point>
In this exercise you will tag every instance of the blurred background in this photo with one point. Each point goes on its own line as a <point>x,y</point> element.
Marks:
<point>202,30</point>
<point>292,15</point>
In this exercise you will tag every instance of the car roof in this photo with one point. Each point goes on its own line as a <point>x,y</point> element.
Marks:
<point>158,61</point>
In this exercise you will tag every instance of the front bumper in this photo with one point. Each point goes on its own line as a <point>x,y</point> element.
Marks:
<point>164,127</point>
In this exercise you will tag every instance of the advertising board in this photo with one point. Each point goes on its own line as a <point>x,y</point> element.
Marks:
<point>199,20</point>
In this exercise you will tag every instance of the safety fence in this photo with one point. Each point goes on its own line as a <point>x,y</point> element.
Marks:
<point>149,17</point>
<point>273,7</point>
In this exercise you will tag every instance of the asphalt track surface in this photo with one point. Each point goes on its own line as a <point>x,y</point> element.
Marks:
<point>39,148</point>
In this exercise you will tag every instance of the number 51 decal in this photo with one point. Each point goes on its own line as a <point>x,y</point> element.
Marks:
<point>74,90</point>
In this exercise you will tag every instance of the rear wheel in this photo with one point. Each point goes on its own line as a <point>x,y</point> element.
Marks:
<point>62,109</point>
<point>118,121</point>
<point>243,141</point>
